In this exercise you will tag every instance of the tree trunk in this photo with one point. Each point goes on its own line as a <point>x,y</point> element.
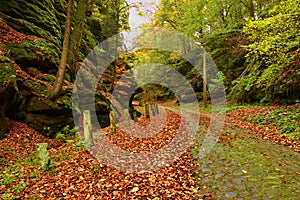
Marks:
<point>114,66</point>
<point>76,36</point>
<point>204,81</point>
<point>252,10</point>
<point>63,62</point>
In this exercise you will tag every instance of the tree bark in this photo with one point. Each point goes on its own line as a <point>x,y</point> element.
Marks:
<point>63,62</point>
<point>76,36</point>
<point>204,81</point>
<point>114,66</point>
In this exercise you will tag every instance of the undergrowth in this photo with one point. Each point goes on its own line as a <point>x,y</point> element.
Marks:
<point>286,121</point>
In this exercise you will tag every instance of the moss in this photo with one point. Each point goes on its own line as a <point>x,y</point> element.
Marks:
<point>39,53</point>
<point>31,29</point>
<point>7,71</point>
<point>67,101</point>
<point>48,78</point>
<point>38,87</point>
<point>40,15</point>
<point>4,126</point>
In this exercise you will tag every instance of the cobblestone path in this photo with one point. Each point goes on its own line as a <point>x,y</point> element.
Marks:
<point>249,168</point>
<point>244,166</point>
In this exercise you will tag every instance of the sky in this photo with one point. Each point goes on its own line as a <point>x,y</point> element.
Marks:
<point>135,20</point>
<point>148,7</point>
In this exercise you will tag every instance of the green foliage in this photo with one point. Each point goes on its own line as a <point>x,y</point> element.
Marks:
<point>273,57</point>
<point>79,145</point>
<point>286,121</point>
<point>66,132</point>
<point>45,159</point>
<point>151,56</point>
<point>18,188</point>
<point>226,49</point>
<point>7,72</point>
<point>108,18</point>
<point>271,35</point>
<point>208,16</point>
<point>236,107</point>
<point>67,100</point>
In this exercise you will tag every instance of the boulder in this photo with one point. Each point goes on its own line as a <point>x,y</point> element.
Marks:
<point>48,125</point>
<point>42,114</point>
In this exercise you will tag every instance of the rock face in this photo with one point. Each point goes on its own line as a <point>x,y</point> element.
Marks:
<point>31,36</point>
<point>27,65</point>
<point>31,17</point>
<point>23,25</point>
<point>21,99</point>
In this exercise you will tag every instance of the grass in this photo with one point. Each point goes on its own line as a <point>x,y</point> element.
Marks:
<point>236,107</point>
<point>228,107</point>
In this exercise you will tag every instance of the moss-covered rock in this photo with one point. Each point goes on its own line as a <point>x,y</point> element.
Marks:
<point>36,104</point>
<point>7,72</point>
<point>8,86</point>
<point>29,28</point>
<point>8,90</point>
<point>44,19</point>
<point>42,114</point>
<point>39,88</point>
<point>48,124</point>
<point>46,116</point>
<point>38,54</point>
<point>39,58</point>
